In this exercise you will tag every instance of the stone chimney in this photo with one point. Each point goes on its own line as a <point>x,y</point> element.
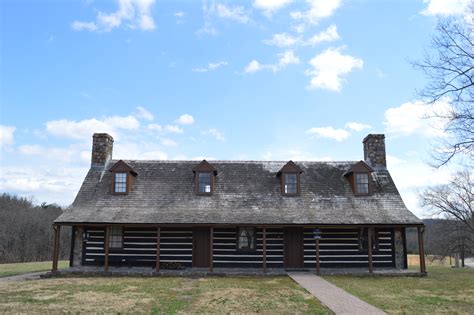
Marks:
<point>374,151</point>
<point>102,145</point>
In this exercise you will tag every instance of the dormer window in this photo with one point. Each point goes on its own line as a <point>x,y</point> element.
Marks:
<point>290,183</point>
<point>204,175</point>
<point>359,176</point>
<point>204,182</point>
<point>362,183</point>
<point>290,179</point>
<point>120,185</point>
<point>122,178</point>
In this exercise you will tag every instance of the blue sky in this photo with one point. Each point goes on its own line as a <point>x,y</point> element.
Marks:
<point>260,80</point>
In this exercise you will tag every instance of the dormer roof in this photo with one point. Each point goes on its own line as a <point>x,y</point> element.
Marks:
<point>361,167</point>
<point>290,166</point>
<point>123,167</point>
<point>204,166</point>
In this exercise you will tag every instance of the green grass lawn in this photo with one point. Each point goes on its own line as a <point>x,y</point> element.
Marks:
<point>168,295</point>
<point>445,290</point>
<point>21,268</point>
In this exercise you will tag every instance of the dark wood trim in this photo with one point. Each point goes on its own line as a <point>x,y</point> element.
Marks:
<point>73,241</point>
<point>158,243</point>
<point>317,257</point>
<point>269,225</point>
<point>106,248</point>
<point>369,249</point>
<point>405,254</point>
<point>264,248</point>
<point>57,234</point>
<point>211,248</point>
<point>421,250</point>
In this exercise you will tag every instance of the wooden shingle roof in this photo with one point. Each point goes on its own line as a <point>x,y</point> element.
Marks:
<point>246,192</point>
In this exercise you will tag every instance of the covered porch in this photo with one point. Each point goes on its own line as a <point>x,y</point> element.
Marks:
<point>214,249</point>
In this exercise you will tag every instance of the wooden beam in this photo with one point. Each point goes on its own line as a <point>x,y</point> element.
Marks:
<point>264,250</point>
<point>106,248</point>
<point>211,249</point>
<point>158,241</point>
<point>421,250</point>
<point>369,249</point>
<point>317,257</point>
<point>73,241</point>
<point>57,232</point>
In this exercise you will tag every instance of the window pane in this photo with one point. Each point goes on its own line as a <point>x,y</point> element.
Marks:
<point>362,183</point>
<point>204,182</point>
<point>246,238</point>
<point>291,183</point>
<point>120,182</point>
<point>115,237</point>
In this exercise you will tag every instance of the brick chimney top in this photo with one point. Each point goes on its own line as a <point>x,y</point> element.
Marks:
<point>374,151</point>
<point>102,146</point>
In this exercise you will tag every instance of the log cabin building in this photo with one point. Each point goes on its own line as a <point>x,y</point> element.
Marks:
<point>238,214</point>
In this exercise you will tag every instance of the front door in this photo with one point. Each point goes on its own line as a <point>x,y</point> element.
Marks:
<point>201,247</point>
<point>294,247</point>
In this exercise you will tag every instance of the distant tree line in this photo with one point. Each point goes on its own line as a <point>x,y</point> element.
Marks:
<point>26,232</point>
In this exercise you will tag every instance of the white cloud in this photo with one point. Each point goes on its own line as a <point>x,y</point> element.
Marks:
<point>270,6</point>
<point>179,14</point>
<point>282,40</point>
<point>329,132</point>
<point>357,126</point>
<point>446,7</point>
<point>137,14</point>
<point>80,26</point>
<point>412,175</point>
<point>412,117</point>
<point>68,154</point>
<point>144,113</point>
<point>328,35</point>
<point>84,129</point>
<point>173,129</point>
<point>234,13</point>
<point>284,59</point>
<point>318,10</point>
<point>185,119</point>
<point>6,135</point>
<point>329,67</point>
<point>211,66</point>
<point>287,40</point>
<point>216,134</point>
<point>253,66</point>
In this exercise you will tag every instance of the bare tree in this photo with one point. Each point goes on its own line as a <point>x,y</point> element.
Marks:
<point>449,67</point>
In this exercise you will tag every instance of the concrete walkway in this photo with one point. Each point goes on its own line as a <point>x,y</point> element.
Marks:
<point>25,276</point>
<point>336,299</point>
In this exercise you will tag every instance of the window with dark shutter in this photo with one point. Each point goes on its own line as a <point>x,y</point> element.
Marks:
<point>290,184</point>
<point>204,183</point>
<point>120,184</point>
<point>362,183</point>
<point>116,237</point>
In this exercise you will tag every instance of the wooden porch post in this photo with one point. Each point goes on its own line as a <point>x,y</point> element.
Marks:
<point>369,249</point>
<point>264,250</point>
<point>317,257</point>
<point>421,250</point>
<point>106,248</point>
<point>158,241</point>
<point>57,231</point>
<point>211,249</point>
